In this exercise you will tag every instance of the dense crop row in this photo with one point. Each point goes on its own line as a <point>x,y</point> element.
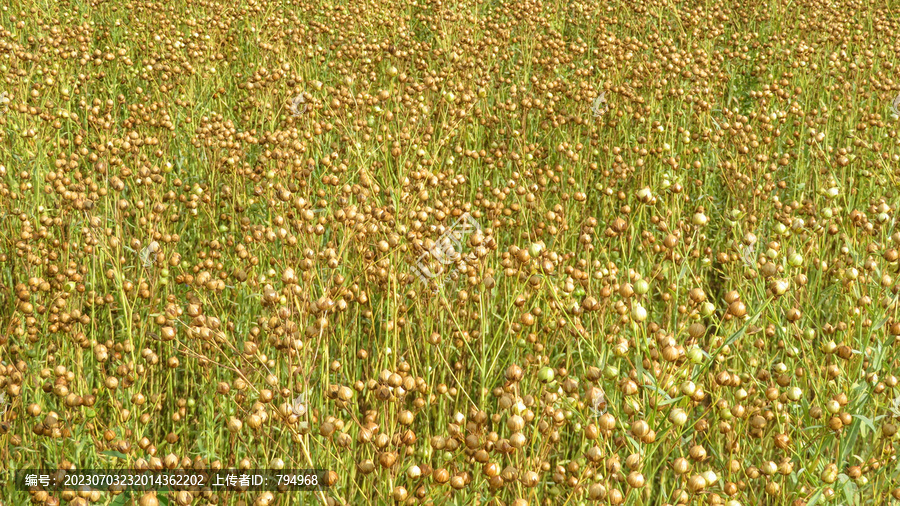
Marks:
<point>511,252</point>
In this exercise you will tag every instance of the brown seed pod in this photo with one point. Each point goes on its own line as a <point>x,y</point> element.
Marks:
<point>597,492</point>
<point>606,422</point>
<point>697,295</point>
<point>737,308</point>
<point>696,483</point>
<point>530,479</point>
<point>457,482</point>
<point>895,328</point>
<point>387,459</point>
<point>635,479</point>
<point>640,428</point>
<point>888,429</point>
<point>696,330</point>
<point>681,466</point>
<point>441,476</point>
<point>698,453</point>
<point>782,441</point>
<point>400,494</point>
<point>616,496</point>
<point>366,466</point>
<point>148,499</point>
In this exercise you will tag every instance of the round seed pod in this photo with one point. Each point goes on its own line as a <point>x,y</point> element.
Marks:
<point>515,423</point>
<point>148,499</point>
<point>737,308</point>
<point>530,479</point>
<point>597,492</point>
<point>615,496</point>
<point>888,429</point>
<point>387,459</point>
<point>640,428</point>
<point>441,476</point>
<point>635,480</point>
<point>696,330</point>
<point>696,483</point>
<point>681,465</point>
<point>400,494</point>
<point>366,466</point>
<point>457,482</point>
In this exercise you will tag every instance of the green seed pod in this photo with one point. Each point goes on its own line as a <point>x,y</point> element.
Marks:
<point>546,374</point>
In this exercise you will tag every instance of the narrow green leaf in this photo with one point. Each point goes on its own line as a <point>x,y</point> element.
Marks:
<point>815,498</point>
<point>121,499</point>
<point>867,421</point>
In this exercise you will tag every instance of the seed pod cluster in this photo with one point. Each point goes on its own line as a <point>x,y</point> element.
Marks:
<point>404,243</point>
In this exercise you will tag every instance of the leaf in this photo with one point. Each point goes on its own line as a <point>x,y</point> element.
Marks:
<point>634,443</point>
<point>852,436</point>
<point>815,498</point>
<point>879,355</point>
<point>850,492</point>
<point>113,453</point>
<point>673,400</point>
<point>867,422</point>
<point>895,406</point>
<point>121,499</point>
